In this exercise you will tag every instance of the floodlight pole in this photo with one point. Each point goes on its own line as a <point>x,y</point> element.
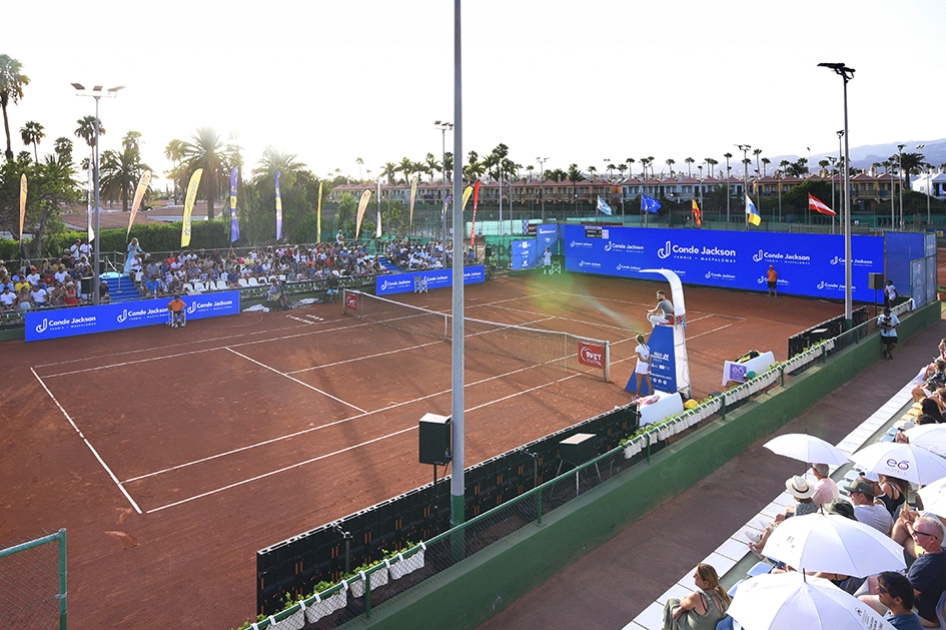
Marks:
<point>918,147</point>
<point>745,177</point>
<point>541,161</point>
<point>900,167</point>
<point>457,477</point>
<point>443,126</point>
<point>846,74</point>
<point>96,94</point>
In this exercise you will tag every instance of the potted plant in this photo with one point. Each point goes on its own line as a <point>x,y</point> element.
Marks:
<point>293,621</point>
<point>379,577</point>
<point>324,606</point>
<point>403,566</point>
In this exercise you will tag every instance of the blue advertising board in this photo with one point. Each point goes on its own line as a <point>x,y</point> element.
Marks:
<point>663,362</point>
<point>807,264</point>
<point>547,236</point>
<point>432,279</point>
<point>523,254</point>
<point>86,320</point>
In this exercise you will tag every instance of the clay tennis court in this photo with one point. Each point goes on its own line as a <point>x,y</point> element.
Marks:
<point>171,456</point>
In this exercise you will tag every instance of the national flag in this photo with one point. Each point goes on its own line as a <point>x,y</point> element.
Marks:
<point>819,206</point>
<point>234,219</point>
<point>143,184</point>
<point>22,203</point>
<point>365,198</point>
<point>697,215</point>
<point>752,215</point>
<point>278,208</point>
<point>189,199</point>
<point>649,204</point>
<point>603,206</point>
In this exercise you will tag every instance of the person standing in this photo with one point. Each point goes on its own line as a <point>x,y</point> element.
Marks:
<point>772,281</point>
<point>888,323</point>
<point>547,261</point>
<point>890,294</point>
<point>134,252</point>
<point>642,369</point>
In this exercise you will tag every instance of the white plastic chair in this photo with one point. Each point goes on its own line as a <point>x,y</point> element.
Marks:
<point>189,288</point>
<point>222,285</point>
<point>264,280</point>
<point>242,282</point>
<point>199,286</point>
<point>253,282</point>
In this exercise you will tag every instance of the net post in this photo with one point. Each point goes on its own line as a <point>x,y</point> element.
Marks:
<point>344,302</point>
<point>62,580</point>
<point>607,361</point>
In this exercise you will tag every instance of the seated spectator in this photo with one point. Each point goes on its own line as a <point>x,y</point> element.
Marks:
<point>803,492</point>
<point>24,301</point>
<point>7,299</point>
<point>72,295</point>
<point>866,510</point>
<point>895,599</point>
<point>57,295</point>
<point>20,283</point>
<point>38,294</point>
<point>935,381</point>
<point>105,296</point>
<point>703,608</point>
<point>826,490</point>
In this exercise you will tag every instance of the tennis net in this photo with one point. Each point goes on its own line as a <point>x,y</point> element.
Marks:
<point>533,345</point>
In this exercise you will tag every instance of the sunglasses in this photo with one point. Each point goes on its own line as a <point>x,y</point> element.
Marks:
<point>916,533</point>
<point>882,590</point>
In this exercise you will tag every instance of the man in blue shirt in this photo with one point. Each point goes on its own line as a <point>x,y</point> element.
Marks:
<point>896,593</point>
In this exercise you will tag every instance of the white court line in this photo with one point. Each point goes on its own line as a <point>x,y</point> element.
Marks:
<point>349,448</point>
<point>87,443</point>
<point>370,356</point>
<point>565,319</point>
<point>295,380</point>
<point>284,469</point>
<point>325,426</point>
<point>709,331</point>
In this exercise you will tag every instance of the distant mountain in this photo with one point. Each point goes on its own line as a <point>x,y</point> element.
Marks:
<point>863,156</point>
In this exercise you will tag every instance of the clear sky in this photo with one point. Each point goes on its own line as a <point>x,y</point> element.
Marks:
<point>332,81</point>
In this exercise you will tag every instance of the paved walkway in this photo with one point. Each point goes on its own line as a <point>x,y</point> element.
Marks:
<point>615,583</point>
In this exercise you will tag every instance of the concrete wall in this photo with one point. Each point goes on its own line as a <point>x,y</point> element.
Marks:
<point>471,592</point>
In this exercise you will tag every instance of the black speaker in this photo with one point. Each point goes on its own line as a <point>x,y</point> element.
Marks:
<point>577,449</point>
<point>85,285</point>
<point>875,281</point>
<point>435,442</point>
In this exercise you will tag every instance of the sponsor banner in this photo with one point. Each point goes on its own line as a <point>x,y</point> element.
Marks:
<point>807,264</point>
<point>663,359</point>
<point>547,236</point>
<point>351,301</point>
<point>591,354</point>
<point>435,279</point>
<point>87,320</point>
<point>523,254</point>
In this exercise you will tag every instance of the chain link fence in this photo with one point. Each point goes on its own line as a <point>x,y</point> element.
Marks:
<point>33,584</point>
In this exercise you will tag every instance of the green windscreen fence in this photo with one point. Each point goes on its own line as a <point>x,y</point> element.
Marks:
<point>33,583</point>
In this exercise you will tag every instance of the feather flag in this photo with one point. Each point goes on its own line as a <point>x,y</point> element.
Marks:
<point>476,200</point>
<point>318,218</point>
<point>413,197</point>
<point>278,208</point>
<point>603,206</point>
<point>234,219</point>
<point>819,206</point>
<point>22,203</point>
<point>752,214</point>
<point>143,184</point>
<point>365,198</point>
<point>467,193</point>
<point>697,215</point>
<point>189,199</point>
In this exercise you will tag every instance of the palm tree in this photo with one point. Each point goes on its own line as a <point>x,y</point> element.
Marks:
<point>644,162</point>
<point>32,133</point>
<point>120,173</point>
<point>12,81</point>
<point>86,130</point>
<point>621,168</point>
<point>474,170</point>
<point>529,170</point>
<point>389,171</point>
<point>610,168</point>
<point>910,163</point>
<point>630,162</point>
<point>407,167</point>
<point>360,163</point>
<point>823,164</point>
<point>431,166</point>
<point>448,165</point>
<point>273,161</point>
<point>575,176</point>
<point>206,151</point>
<point>670,162</point>
<point>712,164</point>
<point>757,153</point>
<point>132,139</point>
<point>591,172</point>
<point>473,157</point>
<point>63,148</point>
<point>765,163</point>
<point>689,161</point>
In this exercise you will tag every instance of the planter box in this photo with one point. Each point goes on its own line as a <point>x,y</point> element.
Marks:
<point>378,578</point>
<point>404,566</point>
<point>295,621</point>
<point>325,607</point>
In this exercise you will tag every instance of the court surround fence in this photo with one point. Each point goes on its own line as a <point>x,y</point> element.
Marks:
<point>379,579</point>
<point>33,583</point>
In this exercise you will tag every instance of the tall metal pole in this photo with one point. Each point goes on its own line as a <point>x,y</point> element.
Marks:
<point>457,480</point>
<point>846,74</point>
<point>918,147</point>
<point>541,162</point>
<point>900,173</point>
<point>745,178</point>
<point>728,195</point>
<point>96,277</point>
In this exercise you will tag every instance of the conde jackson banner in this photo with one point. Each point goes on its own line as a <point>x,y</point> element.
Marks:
<point>86,320</point>
<point>434,279</point>
<point>807,264</point>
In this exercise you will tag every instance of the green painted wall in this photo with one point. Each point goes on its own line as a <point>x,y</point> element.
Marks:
<point>473,591</point>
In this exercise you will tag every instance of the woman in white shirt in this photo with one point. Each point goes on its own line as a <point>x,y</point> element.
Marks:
<point>643,366</point>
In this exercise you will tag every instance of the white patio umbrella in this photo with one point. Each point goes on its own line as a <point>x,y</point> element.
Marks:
<point>792,601</point>
<point>834,544</point>
<point>903,461</point>
<point>934,497</point>
<point>929,437</point>
<point>806,448</point>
